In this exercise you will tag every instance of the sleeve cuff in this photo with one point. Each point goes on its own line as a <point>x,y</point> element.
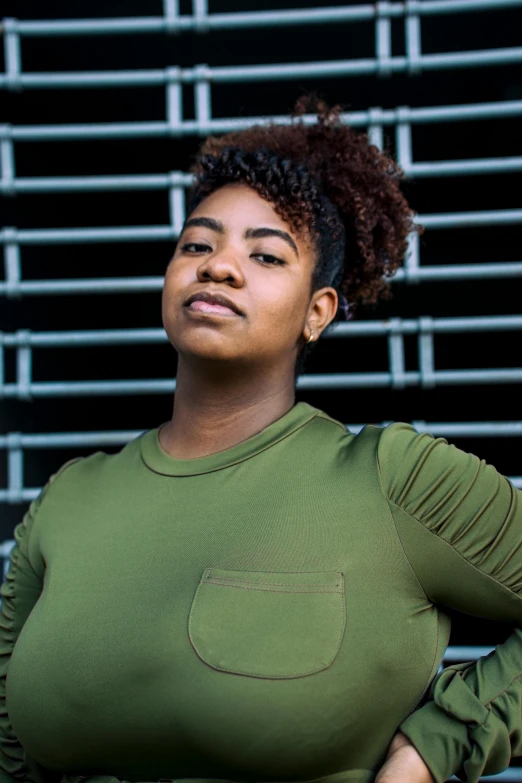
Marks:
<point>441,741</point>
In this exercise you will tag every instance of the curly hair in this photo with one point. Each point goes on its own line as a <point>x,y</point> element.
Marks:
<point>327,180</point>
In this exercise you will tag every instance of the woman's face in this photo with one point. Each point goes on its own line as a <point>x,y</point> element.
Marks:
<point>235,245</point>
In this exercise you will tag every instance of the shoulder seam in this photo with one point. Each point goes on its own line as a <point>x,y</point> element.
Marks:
<point>326,417</point>
<point>66,464</point>
<point>52,478</point>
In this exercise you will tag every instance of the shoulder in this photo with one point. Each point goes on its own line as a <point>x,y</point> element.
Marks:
<point>435,481</point>
<point>404,454</point>
<point>83,477</point>
<point>67,476</point>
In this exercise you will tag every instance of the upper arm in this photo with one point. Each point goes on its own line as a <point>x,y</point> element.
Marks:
<point>459,519</point>
<point>19,592</point>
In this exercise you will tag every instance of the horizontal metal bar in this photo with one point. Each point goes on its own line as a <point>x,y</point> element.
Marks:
<point>152,336</point>
<point>96,131</point>
<point>452,168</point>
<point>132,285</point>
<point>104,337</point>
<point>258,73</point>
<point>65,236</point>
<point>450,60</point>
<point>385,379</point>
<point>220,74</point>
<point>414,116</point>
<point>65,440</point>
<point>500,217</point>
<point>376,380</point>
<point>126,182</point>
<point>83,338</point>
<point>465,653</point>
<point>95,184</point>
<point>62,440</point>
<point>436,7</point>
<point>475,429</point>
<point>232,21</point>
<point>453,272</point>
<point>188,23</point>
<point>458,113</point>
<point>114,285</point>
<point>59,389</point>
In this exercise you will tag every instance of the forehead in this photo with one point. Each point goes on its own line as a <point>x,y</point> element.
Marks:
<point>238,206</point>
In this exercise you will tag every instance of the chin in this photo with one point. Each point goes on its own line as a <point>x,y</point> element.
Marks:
<point>207,350</point>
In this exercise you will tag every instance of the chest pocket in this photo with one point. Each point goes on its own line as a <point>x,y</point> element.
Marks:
<point>268,624</point>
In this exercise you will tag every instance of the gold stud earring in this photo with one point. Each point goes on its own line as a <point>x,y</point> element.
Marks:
<point>311,336</point>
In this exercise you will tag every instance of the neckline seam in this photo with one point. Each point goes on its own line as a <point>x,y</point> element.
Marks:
<point>314,413</point>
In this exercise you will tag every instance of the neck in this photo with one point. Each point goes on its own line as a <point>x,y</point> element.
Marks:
<point>215,410</point>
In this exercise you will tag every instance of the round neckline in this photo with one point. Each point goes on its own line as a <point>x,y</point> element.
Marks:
<point>159,461</point>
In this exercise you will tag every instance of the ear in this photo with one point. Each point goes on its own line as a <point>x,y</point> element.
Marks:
<point>322,309</point>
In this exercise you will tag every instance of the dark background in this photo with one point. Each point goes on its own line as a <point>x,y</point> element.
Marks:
<point>491,138</point>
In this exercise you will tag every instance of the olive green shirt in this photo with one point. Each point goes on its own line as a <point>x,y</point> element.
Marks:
<point>271,612</point>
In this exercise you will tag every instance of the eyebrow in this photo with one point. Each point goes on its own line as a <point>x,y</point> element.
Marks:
<point>250,233</point>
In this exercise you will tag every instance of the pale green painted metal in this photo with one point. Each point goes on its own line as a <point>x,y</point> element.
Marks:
<point>393,330</point>
<point>402,120</point>
<point>174,22</point>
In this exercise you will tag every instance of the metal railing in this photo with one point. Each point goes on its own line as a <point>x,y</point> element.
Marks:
<point>17,443</point>
<point>393,330</point>
<point>403,123</point>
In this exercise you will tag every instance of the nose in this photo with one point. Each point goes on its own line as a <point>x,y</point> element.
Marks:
<point>221,268</point>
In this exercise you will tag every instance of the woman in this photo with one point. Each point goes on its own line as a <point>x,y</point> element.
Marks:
<point>249,592</point>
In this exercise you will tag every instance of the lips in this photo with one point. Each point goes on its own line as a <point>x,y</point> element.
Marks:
<point>205,302</point>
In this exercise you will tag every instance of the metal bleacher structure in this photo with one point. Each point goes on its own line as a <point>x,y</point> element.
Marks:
<point>400,121</point>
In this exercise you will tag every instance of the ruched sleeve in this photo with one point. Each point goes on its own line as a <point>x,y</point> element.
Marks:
<point>19,593</point>
<point>460,524</point>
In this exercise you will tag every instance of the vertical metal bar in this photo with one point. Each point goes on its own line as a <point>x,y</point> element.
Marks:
<point>383,38</point>
<point>174,101</point>
<point>403,138</point>
<point>176,203</point>
<point>5,554</point>
<point>2,365</point>
<point>375,129</point>
<point>24,358</point>
<point>200,11</point>
<point>202,98</point>
<point>12,264</point>
<point>7,163</point>
<point>412,34</point>
<point>426,352</point>
<point>171,14</point>
<point>12,54</point>
<point>396,353</point>
<point>15,467</point>
<point>412,262</point>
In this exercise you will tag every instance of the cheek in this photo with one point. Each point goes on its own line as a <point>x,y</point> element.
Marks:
<point>284,310</point>
<point>173,284</point>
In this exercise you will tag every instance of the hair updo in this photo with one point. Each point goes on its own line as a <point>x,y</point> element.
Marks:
<point>326,179</point>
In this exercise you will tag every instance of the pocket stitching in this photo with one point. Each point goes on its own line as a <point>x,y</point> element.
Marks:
<point>210,578</point>
<point>263,590</point>
<point>271,676</point>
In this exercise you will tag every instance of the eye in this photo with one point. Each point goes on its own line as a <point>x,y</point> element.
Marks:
<point>271,259</point>
<point>194,244</point>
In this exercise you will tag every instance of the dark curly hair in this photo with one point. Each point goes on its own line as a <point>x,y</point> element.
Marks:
<point>328,180</point>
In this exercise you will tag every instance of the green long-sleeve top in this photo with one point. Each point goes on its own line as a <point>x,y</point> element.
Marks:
<point>271,612</point>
